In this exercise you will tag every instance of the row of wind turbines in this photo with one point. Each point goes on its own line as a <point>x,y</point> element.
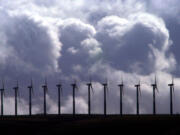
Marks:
<point>90,88</point>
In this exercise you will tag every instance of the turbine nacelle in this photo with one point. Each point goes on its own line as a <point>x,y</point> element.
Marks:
<point>137,85</point>
<point>45,85</point>
<point>58,85</point>
<point>89,84</point>
<point>74,85</point>
<point>154,86</point>
<point>104,84</point>
<point>171,85</point>
<point>15,88</point>
<point>2,89</point>
<point>121,85</point>
<point>30,87</point>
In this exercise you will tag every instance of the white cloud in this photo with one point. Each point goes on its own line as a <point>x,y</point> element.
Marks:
<point>92,46</point>
<point>81,106</point>
<point>72,50</point>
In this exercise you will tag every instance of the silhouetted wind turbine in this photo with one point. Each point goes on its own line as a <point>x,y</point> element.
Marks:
<point>89,96</point>
<point>105,85</point>
<point>74,86</point>
<point>16,89</point>
<point>30,97</point>
<point>45,88</point>
<point>171,96</point>
<point>155,88</point>
<point>121,93</point>
<point>2,94</point>
<point>59,86</point>
<point>138,90</point>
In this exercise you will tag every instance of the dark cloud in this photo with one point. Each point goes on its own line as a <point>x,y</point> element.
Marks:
<point>31,47</point>
<point>124,42</point>
<point>72,34</point>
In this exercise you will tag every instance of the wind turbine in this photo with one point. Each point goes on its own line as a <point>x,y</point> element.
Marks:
<point>89,96</point>
<point>155,88</point>
<point>138,91</point>
<point>2,94</point>
<point>171,96</point>
<point>74,86</point>
<point>45,89</point>
<point>121,95</point>
<point>16,89</point>
<point>30,87</point>
<point>105,85</point>
<point>59,86</point>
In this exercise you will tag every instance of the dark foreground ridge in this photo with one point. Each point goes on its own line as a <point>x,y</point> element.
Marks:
<point>83,124</point>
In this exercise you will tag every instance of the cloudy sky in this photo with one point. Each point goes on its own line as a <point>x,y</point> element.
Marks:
<point>75,39</point>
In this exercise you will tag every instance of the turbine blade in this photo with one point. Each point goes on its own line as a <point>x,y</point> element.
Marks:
<point>157,89</point>
<point>32,86</point>
<point>107,89</point>
<point>92,88</point>
<point>90,80</point>
<point>173,80</point>
<point>46,87</point>
<point>45,81</point>
<point>140,90</point>
<point>155,80</point>
<point>122,80</point>
<point>4,93</point>
<point>76,87</point>
<point>3,87</point>
<point>61,90</point>
<point>3,84</point>
<point>123,89</point>
<point>173,93</point>
<point>18,88</point>
<point>173,88</point>
<point>17,83</point>
<point>33,90</point>
<point>18,95</point>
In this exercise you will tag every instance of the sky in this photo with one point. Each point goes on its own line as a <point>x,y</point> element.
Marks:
<point>69,40</point>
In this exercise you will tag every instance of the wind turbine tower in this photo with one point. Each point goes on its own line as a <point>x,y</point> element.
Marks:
<point>45,89</point>
<point>138,90</point>
<point>89,96</point>
<point>30,97</point>
<point>2,96</point>
<point>155,88</point>
<point>121,96</point>
<point>74,86</point>
<point>105,86</point>
<point>59,86</point>
<point>16,89</point>
<point>171,86</point>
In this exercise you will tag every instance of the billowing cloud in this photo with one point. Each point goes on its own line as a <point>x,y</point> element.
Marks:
<point>28,46</point>
<point>130,39</point>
